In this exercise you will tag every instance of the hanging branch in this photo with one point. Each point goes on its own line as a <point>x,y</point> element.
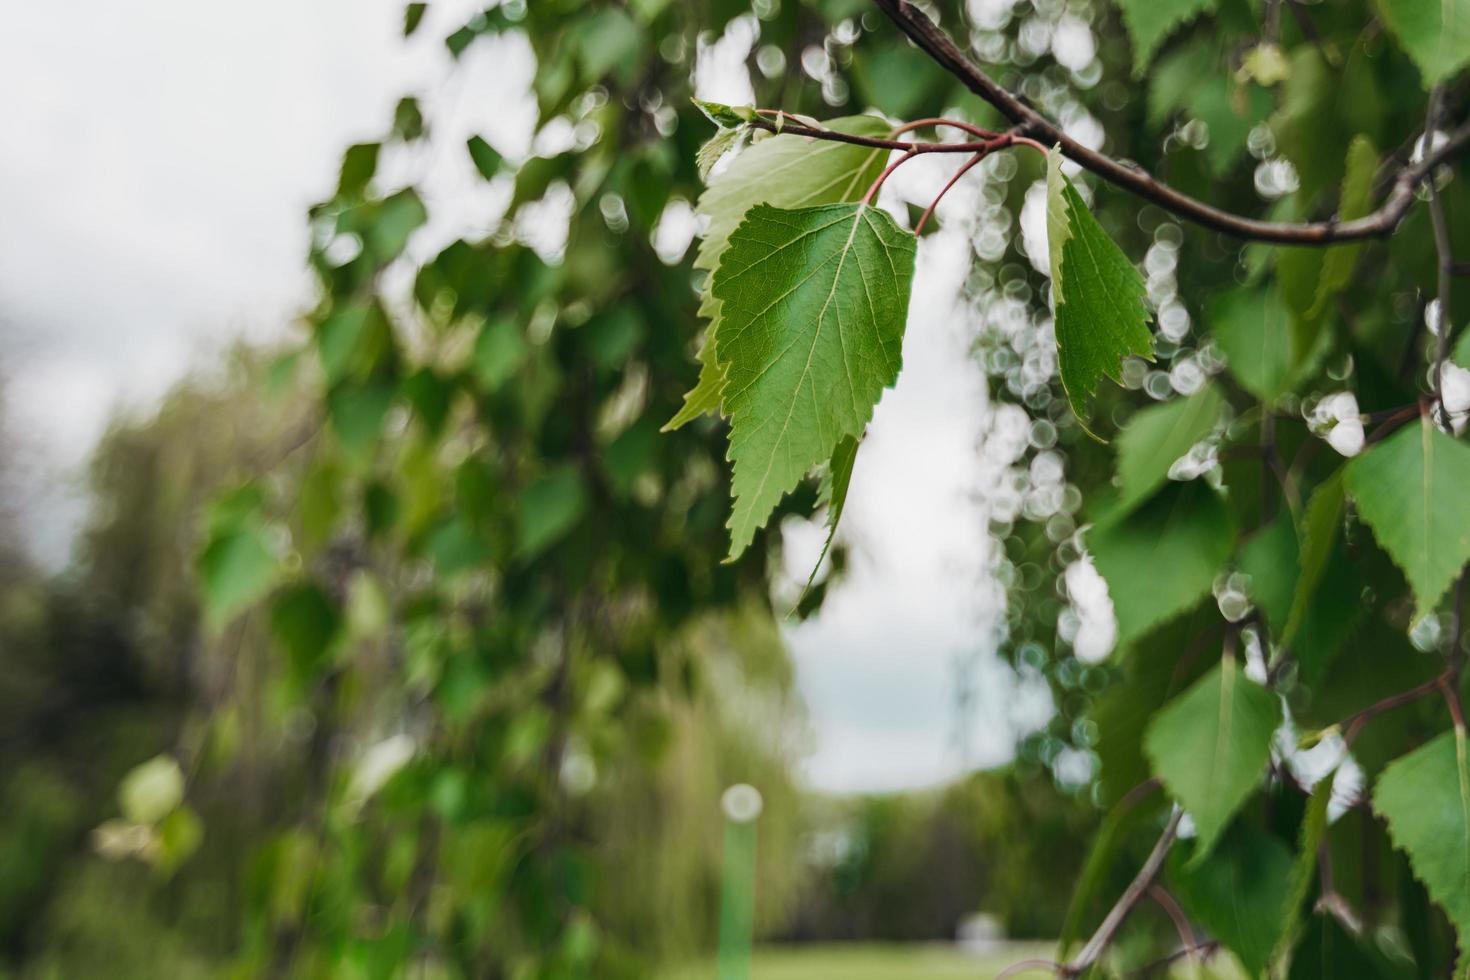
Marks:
<point>938,46</point>
<point>1130,898</point>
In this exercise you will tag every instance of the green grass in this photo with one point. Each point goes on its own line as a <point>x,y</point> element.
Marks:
<point>875,961</point>
<point>871,961</point>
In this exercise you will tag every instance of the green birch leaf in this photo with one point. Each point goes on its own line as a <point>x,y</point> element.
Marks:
<point>1210,747</point>
<point>785,171</point>
<point>1149,22</point>
<point>1162,558</point>
<point>1253,329</point>
<point>704,397</point>
<point>1411,490</point>
<point>813,306</point>
<point>1425,798</point>
<point>1357,200</point>
<point>1099,297</point>
<point>1435,33</point>
<point>1155,437</point>
<point>1318,537</point>
<point>834,496</point>
<point>1304,868</point>
<point>1238,893</point>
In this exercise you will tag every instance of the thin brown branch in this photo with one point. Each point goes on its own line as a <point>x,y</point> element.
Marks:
<point>1204,950</point>
<point>929,211</point>
<point>1130,898</point>
<point>1171,908</point>
<point>1352,724</point>
<point>938,46</point>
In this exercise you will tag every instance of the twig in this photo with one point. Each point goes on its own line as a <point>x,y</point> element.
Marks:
<point>964,169</point>
<point>1130,898</point>
<point>1352,724</point>
<point>1205,951</point>
<point>1176,914</point>
<point>938,46</point>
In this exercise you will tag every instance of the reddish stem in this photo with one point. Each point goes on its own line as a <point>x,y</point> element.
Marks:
<point>924,218</point>
<point>873,188</point>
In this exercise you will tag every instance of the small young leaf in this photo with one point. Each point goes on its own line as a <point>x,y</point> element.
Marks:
<point>1425,797</point>
<point>713,149</point>
<point>813,307</point>
<point>1410,489</point>
<point>1100,301</point>
<point>1239,893</point>
<point>726,116</point>
<point>704,397</point>
<point>1254,331</point>
<point>1155,437</point>
<point>1436,33</point>
<point>1149,22</point>
<point>1163,557</point>
<point>1210,747</point>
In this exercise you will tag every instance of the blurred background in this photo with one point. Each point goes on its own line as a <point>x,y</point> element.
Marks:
<point>354,618</point>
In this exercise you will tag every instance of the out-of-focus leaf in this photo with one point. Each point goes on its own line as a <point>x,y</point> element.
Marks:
<point>548,509</point>
<point>1149,22</point>
<point>359,164</point>
<point>151,790</point>
<point>499,350</point>
<point>1304,867</point>
<point>1162,558</point>
<point>1253,328</point>
<point>1318,536</point>
<point>1356,201</point>
<point>305,622</point>
<point>486,160</point>
<point>1436,33</point>
<point>236,567</point>
<point>1239,893</point>
<point>1270,559</point>
<point>1155,437</point>
<point>1210,747</point>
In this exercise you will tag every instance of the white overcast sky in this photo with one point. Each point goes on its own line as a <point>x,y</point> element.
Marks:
<point>156,164</point>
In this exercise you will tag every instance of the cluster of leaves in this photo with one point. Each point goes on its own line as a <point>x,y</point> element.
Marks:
<point>1260,590</point>
<point>483,584</point>
<point>491,518</point>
